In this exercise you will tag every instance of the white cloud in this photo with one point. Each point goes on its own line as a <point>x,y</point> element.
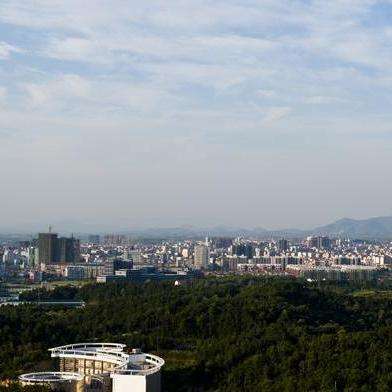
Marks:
<point>73,49</point>
<point>324,100</point>
<point>275,114</point>
<point>239,52</point>
<point>209,85</point>
<point>65,87</point>
<point>266,93</point>
<point>3,94</point>
<point>112,49</point>
<point>6,50</point>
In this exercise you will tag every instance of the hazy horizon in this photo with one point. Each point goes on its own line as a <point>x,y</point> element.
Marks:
<point>67,227</point>
<point>272,113</point>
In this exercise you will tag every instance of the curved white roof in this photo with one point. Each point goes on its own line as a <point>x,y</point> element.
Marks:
<point>41,377</point>
<point>132,364</point>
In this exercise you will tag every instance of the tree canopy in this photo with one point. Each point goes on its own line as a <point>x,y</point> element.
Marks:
<point>219,334</point>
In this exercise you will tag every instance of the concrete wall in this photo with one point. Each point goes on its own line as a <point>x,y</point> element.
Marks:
<point>129,383</point>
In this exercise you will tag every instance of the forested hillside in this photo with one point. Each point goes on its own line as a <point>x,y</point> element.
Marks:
<point>231,334</point>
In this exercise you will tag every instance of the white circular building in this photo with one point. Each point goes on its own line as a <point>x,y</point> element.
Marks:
<point>56,381</point>
<point>112,367</point>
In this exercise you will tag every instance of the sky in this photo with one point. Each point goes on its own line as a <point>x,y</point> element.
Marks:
<point>245,113</point>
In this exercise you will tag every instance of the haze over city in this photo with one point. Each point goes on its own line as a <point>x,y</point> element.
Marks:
<point>166,113</point>
<point>195,195</point>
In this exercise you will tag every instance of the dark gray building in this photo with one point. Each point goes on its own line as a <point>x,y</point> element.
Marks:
<point>52,250</point>
<point>283,245</point>
<point>68,250</point>
<point>320,242</point>
<point>47,248</point>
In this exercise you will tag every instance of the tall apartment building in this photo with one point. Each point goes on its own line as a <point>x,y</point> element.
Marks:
<point>201,256</point>
<point>242,250</point>
<point>320,242</point>
<point>283,245</point>
<point>52,250</point>
<point>69,250</point>
<point>222,242</point>
<point>47,245</point>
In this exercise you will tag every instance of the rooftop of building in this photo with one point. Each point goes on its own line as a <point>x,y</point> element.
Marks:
<point>42,377</point>
<point>134,363</point>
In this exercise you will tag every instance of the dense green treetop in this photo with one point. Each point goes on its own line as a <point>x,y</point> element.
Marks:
<point>220,334</point>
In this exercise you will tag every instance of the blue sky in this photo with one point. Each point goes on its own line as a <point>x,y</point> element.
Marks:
<point>124,113</point>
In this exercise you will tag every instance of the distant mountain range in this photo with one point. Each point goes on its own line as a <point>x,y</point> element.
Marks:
<point>373,228</point>
<point>380,227</point>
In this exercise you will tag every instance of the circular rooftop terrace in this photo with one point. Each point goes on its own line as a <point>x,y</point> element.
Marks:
<point>50,377</point>
<point>136,363</point>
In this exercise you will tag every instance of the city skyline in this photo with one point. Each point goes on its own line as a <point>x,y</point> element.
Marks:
<point>163,114</point>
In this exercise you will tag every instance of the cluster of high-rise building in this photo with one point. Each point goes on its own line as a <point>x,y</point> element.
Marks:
<point>55,250</point>
<point>116,257</point>
<point>305,257</point>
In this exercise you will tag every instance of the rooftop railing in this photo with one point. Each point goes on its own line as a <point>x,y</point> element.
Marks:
<point>50,377</point>
<point>112,353</point>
